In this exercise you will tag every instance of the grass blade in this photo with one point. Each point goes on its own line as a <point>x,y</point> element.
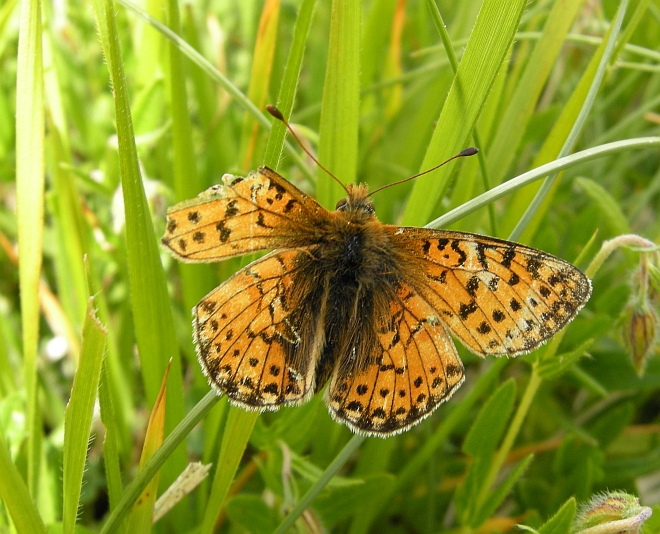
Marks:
<point>15,495</point>
<point>262,65</point>
<point>533,210</point>
<point>289,85</point>
<point>483,57</point>
<point>149,470</point>
<point>78,415</point>
<point>195,280</point>
<point>154,326</point>
<point>142,513</point>
<point>523,102</point>
<point>323,480</point>
<point>237,432</point>
<point>30,209</point>
<point>539,173</point>
<point>338,131</point>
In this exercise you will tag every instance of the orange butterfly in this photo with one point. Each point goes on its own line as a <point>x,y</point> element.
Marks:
<point>367,305</point>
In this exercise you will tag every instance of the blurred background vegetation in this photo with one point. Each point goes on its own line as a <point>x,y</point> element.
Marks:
<point>104,122</point>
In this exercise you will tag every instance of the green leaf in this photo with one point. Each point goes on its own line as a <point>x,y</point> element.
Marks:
<point>609,208</point>
<point>150,302</point>
<point>30,209</point>
<point>560,523</point>
<point>552,368</point>
<point>289,84</point>
<point>15,495</point>
<point>495,498</point>
<point>78,416</point>
<point>252,513</point>
<point>480,442</point>
<point>483,57</point>
<point>237,433</point>
<point>336,503</point>
<point>487,429</point>
<point>523,102</point>
<point>338,131</point>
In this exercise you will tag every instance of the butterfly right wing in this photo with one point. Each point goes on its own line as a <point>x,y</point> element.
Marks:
<point>260,212</point>
<point>496,296</point>
<point>259,334</point>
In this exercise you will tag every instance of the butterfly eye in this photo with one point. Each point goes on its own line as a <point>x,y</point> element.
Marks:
<point>342,205</point>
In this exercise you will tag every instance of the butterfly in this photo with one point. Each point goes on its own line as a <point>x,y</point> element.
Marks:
<point>368,307</point>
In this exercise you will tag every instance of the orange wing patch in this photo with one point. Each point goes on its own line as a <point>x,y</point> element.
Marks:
<point>497,297</point>
<point>417,369</point>
<point>245,341</point>
<point>243,215</point>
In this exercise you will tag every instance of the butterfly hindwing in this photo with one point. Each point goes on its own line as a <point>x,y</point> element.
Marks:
<point>252,342</point>
<point>242,215</point>
<point>496,296</point>
<point>414,368</point>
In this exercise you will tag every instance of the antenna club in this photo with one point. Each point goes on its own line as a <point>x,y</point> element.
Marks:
<point>470,151</point>
<point>275,112</point>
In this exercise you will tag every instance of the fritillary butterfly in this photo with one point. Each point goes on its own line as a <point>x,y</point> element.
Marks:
<point>368,306</point>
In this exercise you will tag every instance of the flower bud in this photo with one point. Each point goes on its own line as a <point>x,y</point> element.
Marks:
<point>640,322</point>
<point>640,326</point>
<point>611,513</point>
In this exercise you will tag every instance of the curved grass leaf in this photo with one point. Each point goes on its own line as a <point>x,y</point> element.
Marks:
<point>78,415</point>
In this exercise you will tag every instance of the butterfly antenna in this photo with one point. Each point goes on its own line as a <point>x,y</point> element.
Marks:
<point>470,151</point>
<point>278,115</point>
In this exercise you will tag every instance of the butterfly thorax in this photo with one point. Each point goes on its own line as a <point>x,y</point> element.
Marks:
<point>356,239</point>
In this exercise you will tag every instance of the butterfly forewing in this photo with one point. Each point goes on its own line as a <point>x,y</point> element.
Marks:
<point>415,368</point>
<point>496,296</point>
<point>243,215</point>
<point>249,337</point>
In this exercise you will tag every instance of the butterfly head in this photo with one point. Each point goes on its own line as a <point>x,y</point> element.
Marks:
<point>357,201</point>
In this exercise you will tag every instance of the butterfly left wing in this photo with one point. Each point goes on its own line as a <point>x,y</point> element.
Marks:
<point>414,367</point>
<point>260,212</point>
<point>257,336</point>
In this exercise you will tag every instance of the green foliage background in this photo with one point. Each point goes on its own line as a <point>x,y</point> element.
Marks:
<point>106,119</point>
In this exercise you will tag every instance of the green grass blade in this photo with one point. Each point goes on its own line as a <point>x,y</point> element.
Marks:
<point>154,326</point>
<point>237,432</point>
<point>78,416</point>
<point>523,102</point>
<point>15,495</point>
<point>451,55</point>
<point>142,512</point>
<point>262,65</point>
<point>498,495</point>
<point>289,85</point>
<point>483,57</point>
<point>150,469</point>
<point>30,209</point>
<point>609,207</point>
<point>338,131</point>
<point>217,76</point>
<point>322,481</point>
<point>197,279</point>
<point>533,210</point>
<point>480,444</point>
<point>539,173</point>
<point>111,441</point>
